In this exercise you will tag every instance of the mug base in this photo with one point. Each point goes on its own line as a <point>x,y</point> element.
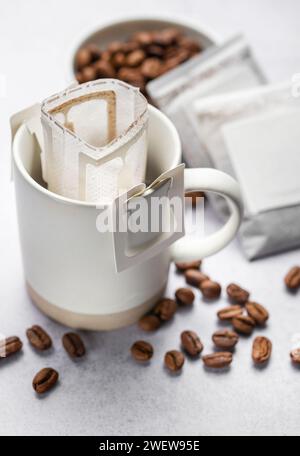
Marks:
<point>92,322</point>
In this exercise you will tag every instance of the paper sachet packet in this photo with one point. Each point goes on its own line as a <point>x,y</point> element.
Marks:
<point>219,70</point>
<point>254,135</point>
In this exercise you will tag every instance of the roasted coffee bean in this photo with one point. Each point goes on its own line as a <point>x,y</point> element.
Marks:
<point>184,266</point>
<point>185,296</point>
<point>217,360</point>
<point>243,324</point>
<point>143,38</point>
<point>115,46</point>
<point>132,76</point>
<point>224,338</point>
<point>155,51</point>
<point>189,44</point>
<point>151,68</point>
<point>149,323</point>
<point>261,350</point>
<point>44,380</point>
<point>73,345</point>
<point>142,351</point>
<point>169,64</point>
<point>237,294</point>
<point>38,338</point>
<point>295,355</point>
<point>174,360</point>
<point>191,343</point>
<point>79,78</point>
<point>167,37</point>
<point>104,69</point>
<point>83,58</point>
<point>130,46</point>
<point>171,51</point>
<point>210,289</point>
<point>256,311</point>
<point>118,60</point>
<point>194,277</point>
<point>179,56</point>
<point>88,73</point>
<point>106,56</point>
<point>165,309</point>
<point>228,313</point>
<point>9,346</point>
<point>292,279</point>
<point>135,58</point>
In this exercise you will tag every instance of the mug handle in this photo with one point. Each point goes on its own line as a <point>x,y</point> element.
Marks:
<point>210,180</point>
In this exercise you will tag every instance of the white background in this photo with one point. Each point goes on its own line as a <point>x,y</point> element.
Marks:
<point>107,393</point>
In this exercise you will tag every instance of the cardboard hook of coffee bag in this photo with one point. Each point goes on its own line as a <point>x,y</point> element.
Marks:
<point>157,229</point>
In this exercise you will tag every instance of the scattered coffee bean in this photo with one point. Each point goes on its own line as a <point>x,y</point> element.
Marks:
<point>184,266</point>
<point>185,296</point>
<point>38,338</point>
<point>228,313</point>
<point>165,309</point>
<point>224,338</point>
<point>194,277</point>
<point>191,343</point>
<point>73,345</point>
<point>149,323</point>
<point>174,360</point>
<point>243,324</point>
<point>44,380</point>
<point>295,355</point>
<point>218,360</point>
<point>210,289</point>
<point>142,351</point>
<point>256,311</point>
<point>292,279</point>
<point>237,294</point>
<point>9,346</point>
<point>261,350</point>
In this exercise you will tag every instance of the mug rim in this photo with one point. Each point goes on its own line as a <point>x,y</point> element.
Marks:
<point>17,145</point>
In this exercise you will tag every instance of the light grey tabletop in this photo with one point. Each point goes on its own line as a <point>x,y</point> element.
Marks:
<point>107,393</point>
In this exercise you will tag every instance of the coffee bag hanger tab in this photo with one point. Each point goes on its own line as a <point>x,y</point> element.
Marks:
<point>133,248</point>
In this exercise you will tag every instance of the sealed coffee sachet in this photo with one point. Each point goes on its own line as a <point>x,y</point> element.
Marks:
<point>254,135</point>
<point>218,70</point>
<point>95,140</point>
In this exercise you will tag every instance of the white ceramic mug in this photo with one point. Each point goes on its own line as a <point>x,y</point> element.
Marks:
<point>69,266</point>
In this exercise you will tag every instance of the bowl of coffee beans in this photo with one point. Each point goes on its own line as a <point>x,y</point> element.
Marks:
<point>137,51</point>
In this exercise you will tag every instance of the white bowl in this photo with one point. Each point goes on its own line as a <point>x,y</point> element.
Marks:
<point>120,30</point>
